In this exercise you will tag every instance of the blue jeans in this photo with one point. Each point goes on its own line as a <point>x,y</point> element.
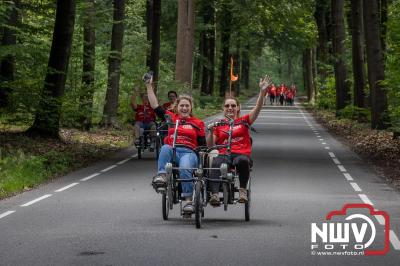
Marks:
<point>185,158</point>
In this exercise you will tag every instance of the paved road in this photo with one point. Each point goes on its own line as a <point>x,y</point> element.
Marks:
<point>107,214</point>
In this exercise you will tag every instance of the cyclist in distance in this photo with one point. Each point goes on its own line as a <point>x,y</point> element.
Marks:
<point>240,144</point>
<point>145,117</point>
<point>190,135</point>
<point>172,95</point>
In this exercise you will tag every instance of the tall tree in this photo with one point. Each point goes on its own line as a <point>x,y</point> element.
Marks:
<point>245,70</point>
<point>357,35</point>
<point>321,14</point>
<point>48,112</point>
<point>153,17</point>
<point>376,64</point>
<point>225,28</point>
<point>309,82</point>
<point>342,90</point>
<point>89,47</point>
<point>7,64</point>
<point>114,66</point>
<point>208,47</point>
<point>185,41</point>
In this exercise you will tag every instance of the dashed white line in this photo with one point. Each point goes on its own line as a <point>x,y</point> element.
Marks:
<point>123,161</point>
<point>365,199</point>
<point>90,177</point>
<point>336,161</point>
<point>380,219</point>
<point>331,154</point>
<point>321,139</point>
<point>66,187</point>
<point>394,240</point>
<point>341,168</point>
<point>4,214</point>
<point>323,143</point>
<point>36,200</point>
<point>355,186</point>
<point>327,148</point>
<point>108,168</point>
<point>348,176</point>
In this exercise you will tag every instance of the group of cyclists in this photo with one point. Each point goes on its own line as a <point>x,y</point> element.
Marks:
<point>282,94</point>
<point>192,133</point>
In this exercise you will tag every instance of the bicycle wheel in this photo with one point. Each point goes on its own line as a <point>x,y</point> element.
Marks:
<point>165,207</point>
<point>225,194</point>
<point>198,204</point>
<point>247,206</point>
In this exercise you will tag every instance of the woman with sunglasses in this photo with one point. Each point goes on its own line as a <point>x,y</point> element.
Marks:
<point>191,134</point>
<point>240,144</point>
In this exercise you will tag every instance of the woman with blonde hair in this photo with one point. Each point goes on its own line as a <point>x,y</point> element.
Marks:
<point>190,135</point>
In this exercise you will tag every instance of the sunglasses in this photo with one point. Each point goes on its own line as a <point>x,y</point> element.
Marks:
<point>230,105</point>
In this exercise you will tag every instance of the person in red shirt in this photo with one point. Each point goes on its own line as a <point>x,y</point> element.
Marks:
<point>289,97</point>
<point>272,94</point>
<point>145,117</point>
<point>281,94</point>
<point>172,95</point>
<point>191,134</point>
<point>240,144</point>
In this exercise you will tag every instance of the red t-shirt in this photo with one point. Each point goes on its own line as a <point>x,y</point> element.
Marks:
<point>188,132</point>
<point>273,91</point>
<point>289,94</point>
<point>144,113</point>
<point>241,143</point>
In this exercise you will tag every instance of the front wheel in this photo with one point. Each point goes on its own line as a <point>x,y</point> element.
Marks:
<point>165,207</point>
<point>198,204</point>
<point>158,147</point>
<point>247,207</point>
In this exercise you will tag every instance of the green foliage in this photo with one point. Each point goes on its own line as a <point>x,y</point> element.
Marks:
<point>392,80</point>
<point>362,115</point>
<point>326,96</point>
<point>20,171</point>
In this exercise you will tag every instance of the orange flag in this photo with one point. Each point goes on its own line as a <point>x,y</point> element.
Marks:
<point>233,77</point>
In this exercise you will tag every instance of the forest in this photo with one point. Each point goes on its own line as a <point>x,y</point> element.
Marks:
<point>73,63</point>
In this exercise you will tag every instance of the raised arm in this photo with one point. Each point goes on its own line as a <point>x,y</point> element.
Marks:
<point>150,93</point>
<point>210,139</point>
<point>264,83</point>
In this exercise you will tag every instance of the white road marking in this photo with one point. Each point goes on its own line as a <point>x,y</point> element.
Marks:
<point>66,187</point>
<point>336,161</point>
<point>108,168</point>
<point>36,200</point>
<point>89,177</point>
<point>327,148</point>
<point>341,168</point>
<point>380,219</point>
<point>282,124</point>
<point>355,186</point>
<point>394,240</point>
<point>323,143</point>
<point>320,139</point>
<point>348,176</point>
<point>332,154</point>
<point>365,199</point>
<point>123,161</point>
<point>4,214</point>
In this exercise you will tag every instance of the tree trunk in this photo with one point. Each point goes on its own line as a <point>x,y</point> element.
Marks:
<point>7,65</point>
<point>376,65</point>
<point>114,66</point>
<point>48,113</point>
<point>225,20</point>
<point>153,16</point>
<point>245,71</point>
<point>358,52</point>
<point>236,68</point>
<point>342,91</point>
<point>383,23</point>
<point>290,69</point>
<point>88,63</point>
<point>185,41</point>
<point>323,38</point>
<point>309,75</point>
<point>208,46</point>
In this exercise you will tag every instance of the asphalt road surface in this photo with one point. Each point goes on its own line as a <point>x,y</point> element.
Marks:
<point>108,214</point>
